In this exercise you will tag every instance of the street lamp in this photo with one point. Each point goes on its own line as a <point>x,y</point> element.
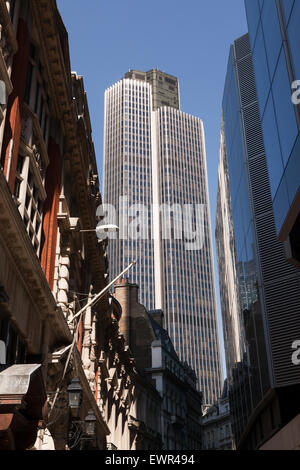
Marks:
<point>90,424</point>
<point>101,229</point>
<point>82,434</point>
<point>75,396</point>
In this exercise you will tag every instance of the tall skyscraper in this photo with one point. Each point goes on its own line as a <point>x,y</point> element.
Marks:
<point>274,38</point>
<point>154,157</point>
<point>265,382</point>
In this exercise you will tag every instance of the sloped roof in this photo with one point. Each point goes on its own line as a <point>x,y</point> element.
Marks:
<point>162,335</point>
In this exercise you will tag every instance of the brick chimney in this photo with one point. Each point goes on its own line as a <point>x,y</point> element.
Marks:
<point>158,316</point>
<point>122,295</point>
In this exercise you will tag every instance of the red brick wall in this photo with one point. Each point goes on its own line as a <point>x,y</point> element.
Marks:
<point>51,206</point>
<point>80,337</point>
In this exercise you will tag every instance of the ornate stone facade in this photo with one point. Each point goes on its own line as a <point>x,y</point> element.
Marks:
<point>129,402</point>
<point>216,424</point>
<point>177,415</point>
<point>49,191</point>
<point>52,331</point>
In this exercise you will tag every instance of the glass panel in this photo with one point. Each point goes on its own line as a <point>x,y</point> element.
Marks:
<point>294,38</point>
<point>238,230</point>
<point>250,269</point>
<point>262,76</point>
<point>272,147</point>
<point>253,14</point>
<point>272,33</point>
<point>235,166</point>
<point>284,109</point>
<point>243,269</point>
<point>244,195</point>
<point>287,5</point>
<point>230,106</point>
<point>281,205</point>
<point>293,171</point>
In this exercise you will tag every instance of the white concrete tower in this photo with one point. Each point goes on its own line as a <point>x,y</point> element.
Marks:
<point>154,155</point>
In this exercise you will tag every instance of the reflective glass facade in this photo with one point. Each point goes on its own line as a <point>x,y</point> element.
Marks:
<point>230,288</point>
<point>275,38</point>
<point>268,285</point>
<point>238,177</point>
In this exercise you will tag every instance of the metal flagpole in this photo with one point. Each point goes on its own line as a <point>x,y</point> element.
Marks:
<point>98,296</point>
<point>89,304</point>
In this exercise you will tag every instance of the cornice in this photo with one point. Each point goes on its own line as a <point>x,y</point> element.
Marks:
<point>46,20</point>
<point>8,27</point>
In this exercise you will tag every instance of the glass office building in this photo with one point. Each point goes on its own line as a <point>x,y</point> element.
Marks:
<point>154,155</point>
<point>275,38</point>
<point>268,284</point>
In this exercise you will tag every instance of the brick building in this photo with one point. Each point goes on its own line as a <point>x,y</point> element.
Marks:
<point>49,191</point>
<point>68,379</point>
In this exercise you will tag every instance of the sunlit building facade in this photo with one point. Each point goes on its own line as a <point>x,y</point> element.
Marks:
<point>154,155</point>
<point>232,289</point>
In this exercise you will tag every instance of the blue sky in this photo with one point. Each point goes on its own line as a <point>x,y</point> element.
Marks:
<point>186,38</point>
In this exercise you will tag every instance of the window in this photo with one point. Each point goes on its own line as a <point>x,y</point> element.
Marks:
<point>17,187</point>
<point>284,109</point>
<point>15,347</point>
<point>32,51</point>
<point>169,80</point>
<point>20,164</point>
<point>12,9</point>
<point>37,95</point>
<point>31,205</point>
<point>253,15</point>
<point>261,70</point>
<point>272,146</point>
<point>19,179</point>
<point>272,34</point>
<point>28,83</point>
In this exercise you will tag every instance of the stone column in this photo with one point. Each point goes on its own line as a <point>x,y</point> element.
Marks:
<point>87,346</point>
<point>63,283</point>
<point>122,294</point>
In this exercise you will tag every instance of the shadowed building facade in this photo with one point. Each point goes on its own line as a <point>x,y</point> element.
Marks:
<point>157,362</point>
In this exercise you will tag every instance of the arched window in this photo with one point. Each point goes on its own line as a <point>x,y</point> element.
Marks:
<point>2,92</point>
<point>2,353</point>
